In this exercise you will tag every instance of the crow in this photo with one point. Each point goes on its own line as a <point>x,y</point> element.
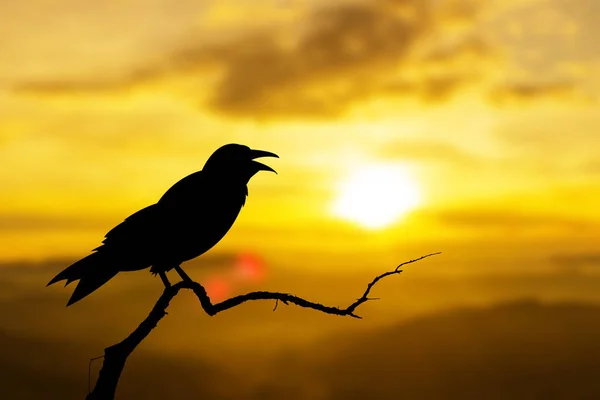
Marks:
<point>188,220</point>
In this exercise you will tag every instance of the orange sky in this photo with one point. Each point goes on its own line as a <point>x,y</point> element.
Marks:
<point>491,106</point>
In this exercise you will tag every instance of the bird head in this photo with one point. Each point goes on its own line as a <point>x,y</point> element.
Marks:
<point>236,162</point>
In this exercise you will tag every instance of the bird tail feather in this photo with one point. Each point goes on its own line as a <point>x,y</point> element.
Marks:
<point>92,272</point>
<point>78,269</point>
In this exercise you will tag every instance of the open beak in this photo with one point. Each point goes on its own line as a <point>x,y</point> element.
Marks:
<point>262,153</point>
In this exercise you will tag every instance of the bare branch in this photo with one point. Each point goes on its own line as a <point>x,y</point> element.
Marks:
<point>116,355</point>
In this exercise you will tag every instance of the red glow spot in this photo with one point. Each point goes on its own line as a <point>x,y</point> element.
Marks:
<point>250,267</point>
<point>217,288</point>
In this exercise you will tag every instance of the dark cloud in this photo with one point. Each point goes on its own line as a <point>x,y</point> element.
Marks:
<point>457,11</point>
<point>529,91</point>
<point>350,53</point>
<point>344,39</point>
<point>69,87</point>
<point>428,89</point>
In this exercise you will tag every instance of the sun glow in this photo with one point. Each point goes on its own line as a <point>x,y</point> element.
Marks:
<point>377,195</point>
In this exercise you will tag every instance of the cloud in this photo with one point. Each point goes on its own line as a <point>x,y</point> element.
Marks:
<point>429,151</point>
<point>326,60</point>
<point>93,85</point>
<point>55,265</point>
<point>351,52</point>
<point>591,166</point>
<point>563,146</point>
<point>577,259</point>
<point>530,91</point>
<point>535,134</point>
<point>345,39</point>
<point>512,220</point>
<point>41,222</point>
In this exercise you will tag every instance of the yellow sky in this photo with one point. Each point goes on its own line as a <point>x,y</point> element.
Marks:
<point>491,106</point>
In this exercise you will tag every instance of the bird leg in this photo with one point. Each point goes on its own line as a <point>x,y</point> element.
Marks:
<point>163,277</point>
<point>182,273</point>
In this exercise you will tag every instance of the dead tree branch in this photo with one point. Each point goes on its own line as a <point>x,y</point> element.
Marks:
<point>115,356</point>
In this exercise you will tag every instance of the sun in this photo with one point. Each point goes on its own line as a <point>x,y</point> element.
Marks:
<point>377,195</point>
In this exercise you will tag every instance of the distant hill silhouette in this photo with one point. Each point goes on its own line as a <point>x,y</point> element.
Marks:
<point>518,350</point>
<point>36,369</point>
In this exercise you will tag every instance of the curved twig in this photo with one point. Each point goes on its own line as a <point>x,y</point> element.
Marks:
<point>115,356</point>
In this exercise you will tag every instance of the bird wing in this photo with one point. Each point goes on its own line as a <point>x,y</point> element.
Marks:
<point>149,228</point>
<point>184,189</point>
<point>139,228</point>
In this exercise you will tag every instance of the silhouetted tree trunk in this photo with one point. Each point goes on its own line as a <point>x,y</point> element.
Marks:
<point>115,356</point>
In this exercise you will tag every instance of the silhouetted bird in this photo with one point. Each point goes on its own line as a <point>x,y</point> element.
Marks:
<point>189,219</point>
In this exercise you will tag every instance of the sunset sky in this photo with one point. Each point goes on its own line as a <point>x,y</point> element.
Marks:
<point>489,107</point>
<point>403,127</point>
